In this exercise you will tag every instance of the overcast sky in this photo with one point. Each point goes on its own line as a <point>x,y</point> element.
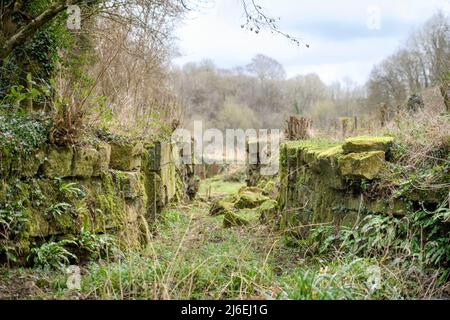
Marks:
<point>344,36</point>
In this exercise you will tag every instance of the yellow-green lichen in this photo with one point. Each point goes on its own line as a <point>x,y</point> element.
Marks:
<point>58,162</point>
<point>366,143</point>
<point>125,157</point>
<point>268,210</point>
<point>366,165</point>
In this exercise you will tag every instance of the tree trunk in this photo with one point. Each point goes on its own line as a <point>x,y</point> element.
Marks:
<point>27,31</point>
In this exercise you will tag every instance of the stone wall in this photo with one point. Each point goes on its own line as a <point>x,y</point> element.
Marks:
<point>206,171</point>
<point>445,91</point>
<point>110,187</point>
<point>254,164</point>
<point>324,182</point>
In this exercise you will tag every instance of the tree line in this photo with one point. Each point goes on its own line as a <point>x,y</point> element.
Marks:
<point>260,95</point>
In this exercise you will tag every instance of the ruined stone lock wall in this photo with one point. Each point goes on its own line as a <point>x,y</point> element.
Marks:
<point>110,187</point>
<point>254,164</point>
<point>321,181</point>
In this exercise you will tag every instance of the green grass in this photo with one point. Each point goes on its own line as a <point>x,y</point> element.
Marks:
<point>192,256</point>
<point>218,186</point>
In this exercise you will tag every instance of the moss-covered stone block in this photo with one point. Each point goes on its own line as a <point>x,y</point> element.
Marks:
<point>103,160</point>
<point>268,210</point>
<point>232,219</point>
<point>126,157</point>
<point>131,184</point>
<point>30,167</point>
<point>84,161</point>
<point>154,157</point>
<point>162,161</point>
<point>249,199</point>
<point>221,207</point>
<point>39,226</point>
<point>58,162</point>
<point>366,165</point>
<point>271,188</point>
<point>155,195</point>
<point>366,144</point>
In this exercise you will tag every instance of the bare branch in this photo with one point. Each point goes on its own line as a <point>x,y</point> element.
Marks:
<point>257,20</point>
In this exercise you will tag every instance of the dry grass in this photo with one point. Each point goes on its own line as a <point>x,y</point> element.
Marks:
<point>422,137</point>
<point>193,257</point>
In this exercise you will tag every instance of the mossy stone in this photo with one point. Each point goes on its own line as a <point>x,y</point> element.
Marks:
<point>270,189</point>
<point>232,219</point>
<point>29,167</point>
<point>366,144</point>
<point>268,210</point>
<point>155,195</point>
<point>126,157</point>
<point>167,172</point>
<point>58,163</point>
<point>248,199</point>
<point>366,165</point>
<point>104,157</point>
<point>131,184</point>
<point>221,207</point>
<point>84,161</point>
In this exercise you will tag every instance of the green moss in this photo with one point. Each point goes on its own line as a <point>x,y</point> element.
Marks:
<point>104,158</point>
<point>312,144</point>
<point>249,198</point>
<point>331,152</point>
<point>125,157</point>
<point>371,138</point>
<point>131,184</point>
<point>58,162</point>
<point>311,152</point>
<point>167,172</point>
<point>366,165</point>
<point>180,188</point>
<point>221,207</point>
<point>110,202</point>
<point>365,144</point>
<point>268,210</point>
<point>232,219</point>
<point>270,188</point>
<point>84,161</point>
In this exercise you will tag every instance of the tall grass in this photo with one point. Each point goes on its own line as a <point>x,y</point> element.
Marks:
<point>193,257</point>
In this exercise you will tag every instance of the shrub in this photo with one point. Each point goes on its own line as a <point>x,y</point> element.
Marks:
<point>53,255</point>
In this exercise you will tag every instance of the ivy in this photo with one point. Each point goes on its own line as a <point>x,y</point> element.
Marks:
<point>39,56</point>
<point>21,135</point>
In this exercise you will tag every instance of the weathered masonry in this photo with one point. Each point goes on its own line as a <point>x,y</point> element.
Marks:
<point>112,187</point>
<point>326,182</point>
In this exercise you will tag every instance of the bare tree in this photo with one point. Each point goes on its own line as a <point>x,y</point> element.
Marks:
<point>13,35</point>
<point>423,62</point>
<point>304,92</point>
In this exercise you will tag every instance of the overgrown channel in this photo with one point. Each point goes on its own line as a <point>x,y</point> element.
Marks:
<point>99,124</point>
<point>235,241</point>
